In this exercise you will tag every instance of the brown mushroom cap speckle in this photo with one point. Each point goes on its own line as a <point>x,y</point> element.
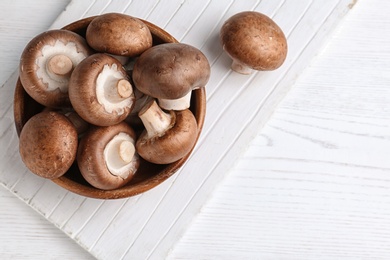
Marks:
<point>48,144</point>
<point>171,70</point>
<point>118,34</point>
<point>46,87</point>
<point>254,40</point>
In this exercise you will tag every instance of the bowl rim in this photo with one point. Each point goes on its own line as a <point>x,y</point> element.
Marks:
<point>127,190</point>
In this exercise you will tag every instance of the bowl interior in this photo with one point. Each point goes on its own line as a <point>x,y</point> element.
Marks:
<point>148,175</point>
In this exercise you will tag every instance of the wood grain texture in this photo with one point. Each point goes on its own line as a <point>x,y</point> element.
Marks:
<point>314,183</point>
<point>146,226</point>
<point>24,234</point>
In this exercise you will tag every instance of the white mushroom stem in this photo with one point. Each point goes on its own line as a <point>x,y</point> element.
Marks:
<point>113,90</point>
<point>126,151</point>
<point>176,104</point>
<point>124,88</point>
<point>156,121</point>
<point>241,68</point>
<point>118,155</point>
<point>60,65</point>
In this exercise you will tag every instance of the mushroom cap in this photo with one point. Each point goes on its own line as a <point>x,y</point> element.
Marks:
<point>255,40</point>
<point>118,34</point>
<point>48,144</point>
<point>91,161</point>
<point>174,144</point>
<point>44,87</point>
<point>171,70</point>
<point>89,100</point>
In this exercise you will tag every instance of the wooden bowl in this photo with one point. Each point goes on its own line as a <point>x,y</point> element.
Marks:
<point>148,175</point>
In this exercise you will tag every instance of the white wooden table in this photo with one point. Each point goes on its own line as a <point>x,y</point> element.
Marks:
<point>312,184</point>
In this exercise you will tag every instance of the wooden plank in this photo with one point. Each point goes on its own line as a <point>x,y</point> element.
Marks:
<point>157,218</point>
<point>81,216</point>
<point>27,235</point>
<point>77,11</point>
<point>64,210</point>
<point>220,141</point>
<point>46,204</point>
<point>141,9</point>
<point>134,215</point>
<point>315,181</point>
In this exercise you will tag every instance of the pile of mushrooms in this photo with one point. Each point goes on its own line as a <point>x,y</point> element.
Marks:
<point>95,92</point>
<point>112,99</point>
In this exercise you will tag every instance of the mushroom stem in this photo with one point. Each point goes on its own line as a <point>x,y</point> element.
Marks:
<point>118,154</point>
<point>124,88</point>
<point>111,86</point>
<point>60,65</point>
<point>156,121</point>
<point>239,67</point>
<point>176,104</point>
<point>126,151</point>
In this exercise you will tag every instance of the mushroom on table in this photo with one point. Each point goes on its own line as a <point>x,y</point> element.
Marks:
<point>46,65</point>
<point>254,42</point>
<point>106,156</point>
<point>100,91</point>
<point>169,72</point>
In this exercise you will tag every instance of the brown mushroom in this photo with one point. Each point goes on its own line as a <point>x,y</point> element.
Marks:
<point>46,64</point>
<point>100,91</point>
<point>254,42</point>
<point>118,34</point>
<point>170,71</point>
<point>48,144</point>
<point>167,136</point>
<point>106,156</point>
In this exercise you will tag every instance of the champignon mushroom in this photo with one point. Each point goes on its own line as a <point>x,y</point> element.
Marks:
<point>46,64</point>
<point>118,34</point>
<point>167,136</point>
<point>106,156</point>
<point>170,71</point>
<point>100,91</point>
<point>48,144</point>
<point>253,41</point>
